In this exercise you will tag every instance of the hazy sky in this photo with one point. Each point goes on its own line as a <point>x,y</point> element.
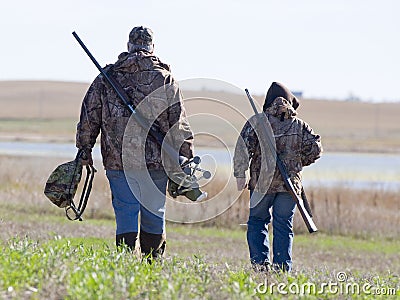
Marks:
<point>327,49</point>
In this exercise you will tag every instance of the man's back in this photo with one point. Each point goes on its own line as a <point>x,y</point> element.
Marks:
<point>140,74</point>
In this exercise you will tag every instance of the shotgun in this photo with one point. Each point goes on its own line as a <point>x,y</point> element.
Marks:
<point>192,192</point>
<point>301,203</point>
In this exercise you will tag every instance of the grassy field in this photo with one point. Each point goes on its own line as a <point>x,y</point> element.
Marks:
<point>50,110</point>
<point>202,263</point>
<point>45,256</point>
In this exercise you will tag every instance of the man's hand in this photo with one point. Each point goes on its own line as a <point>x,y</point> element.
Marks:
<point>241,183</point>
<point>86,158</point>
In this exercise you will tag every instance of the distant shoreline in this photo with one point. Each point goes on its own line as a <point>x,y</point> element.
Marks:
<point>48,111</point>
<point>4,138</point>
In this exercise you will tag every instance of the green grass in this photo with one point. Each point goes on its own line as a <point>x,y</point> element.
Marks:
<point>324,242</point>
<point>45,256</point>
<point>91,268</point>
<point>197,267</point>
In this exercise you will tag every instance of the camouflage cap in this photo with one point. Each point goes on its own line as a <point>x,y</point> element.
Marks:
<point>140,38</point>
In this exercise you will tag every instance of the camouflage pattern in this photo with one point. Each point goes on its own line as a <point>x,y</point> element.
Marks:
<point>63,182</point>
<point>140,74</point>
<point>140,38</point>
<point>296,144</point>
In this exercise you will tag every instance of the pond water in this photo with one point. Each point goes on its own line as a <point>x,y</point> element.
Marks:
<point>356,170</point>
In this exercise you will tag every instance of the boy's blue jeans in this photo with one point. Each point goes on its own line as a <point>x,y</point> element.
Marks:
<point>283,209</point>
<point>133,193</point>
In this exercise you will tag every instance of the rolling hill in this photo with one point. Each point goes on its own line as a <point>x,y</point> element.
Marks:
<point>49,110</point>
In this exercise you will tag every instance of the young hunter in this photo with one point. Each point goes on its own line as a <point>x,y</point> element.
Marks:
<point>298,146</point>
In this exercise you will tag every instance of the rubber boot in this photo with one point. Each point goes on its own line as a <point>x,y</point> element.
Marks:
<point>128,239</point>
<point>152,245</point>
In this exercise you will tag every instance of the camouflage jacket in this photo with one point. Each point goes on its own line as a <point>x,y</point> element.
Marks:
<point>145,79</point>
<point>296,144</point>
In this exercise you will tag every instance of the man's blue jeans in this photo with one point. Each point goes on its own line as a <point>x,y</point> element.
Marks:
<point>283,209</point>
<point>132,193</point>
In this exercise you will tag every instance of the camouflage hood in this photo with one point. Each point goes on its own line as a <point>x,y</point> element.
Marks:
<point>138,62</point>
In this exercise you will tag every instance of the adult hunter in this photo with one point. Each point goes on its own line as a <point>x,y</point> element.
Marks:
<point>297,146</point>
<point>145,79</point>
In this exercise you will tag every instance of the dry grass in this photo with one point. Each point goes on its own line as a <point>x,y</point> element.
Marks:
<point>337,210</point>
<point>342,211</point>
<point>22,181</point>
<point>344,126</point>
<point>40,110</point>
<point>220,242</point>
<point>361,213</point>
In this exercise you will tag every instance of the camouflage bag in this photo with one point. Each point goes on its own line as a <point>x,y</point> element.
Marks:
<point>63,183</point>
